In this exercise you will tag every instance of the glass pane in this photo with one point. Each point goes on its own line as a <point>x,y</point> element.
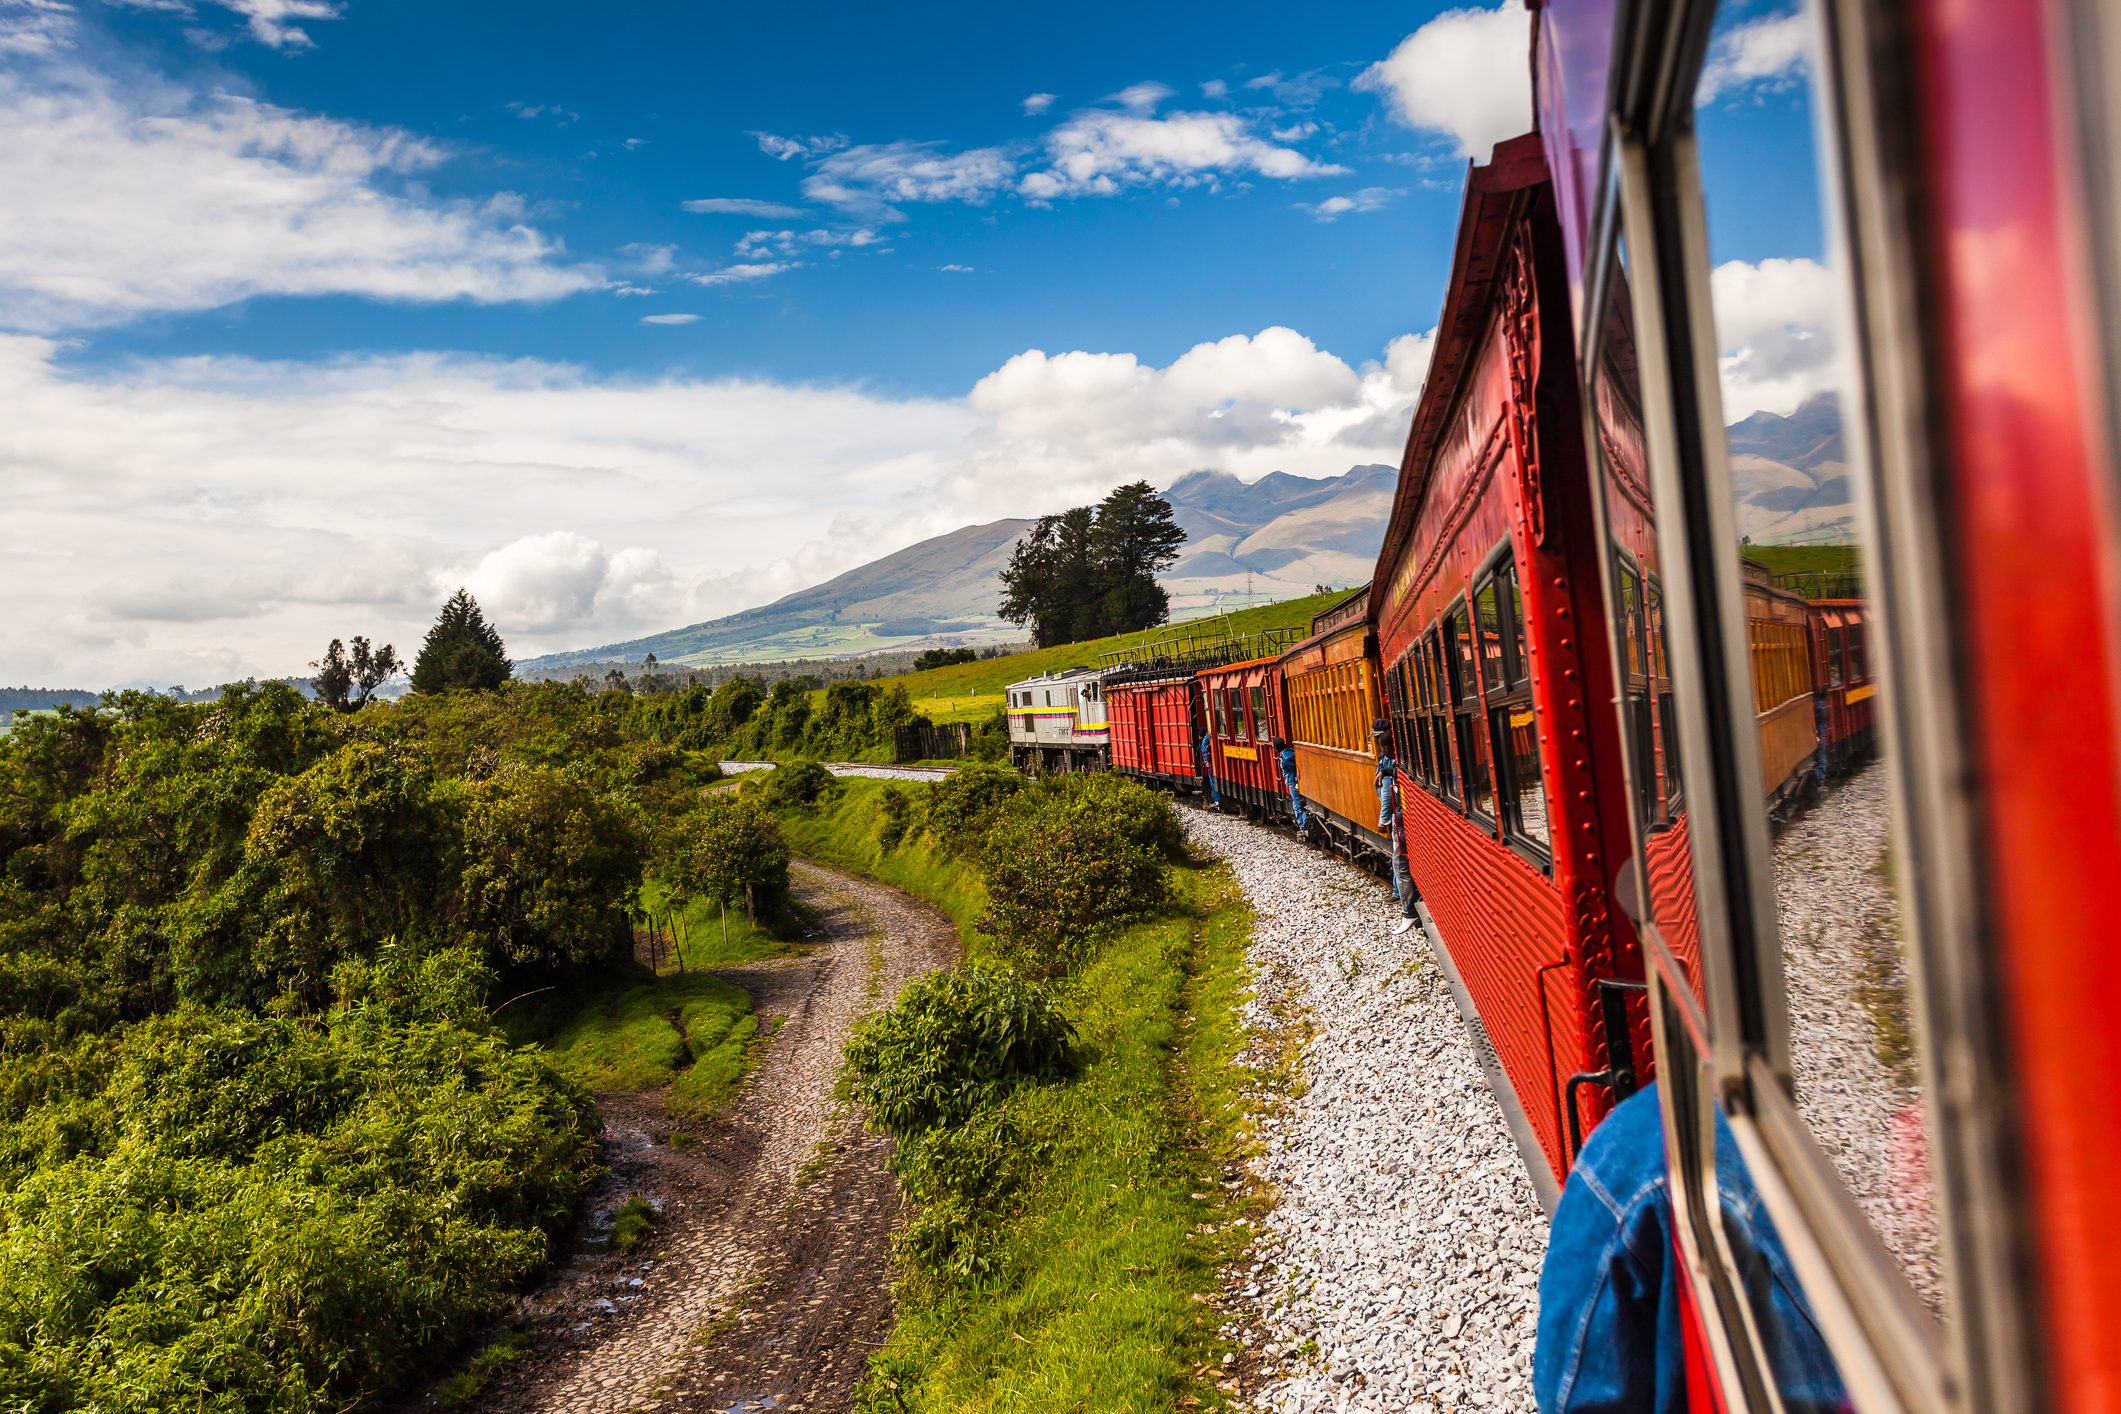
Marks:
<point>1528,804</point>
<point>1803,555</point>
<point>1794,1353</point>
<point>1487,623</point>
<point>1663,842</point>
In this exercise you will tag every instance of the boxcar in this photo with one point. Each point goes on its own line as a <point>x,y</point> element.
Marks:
<point>1486,584</point>
<point>1057,722</point>
<point>1155,720</point>
<point>1331,694</point>
<point>1242,705</point>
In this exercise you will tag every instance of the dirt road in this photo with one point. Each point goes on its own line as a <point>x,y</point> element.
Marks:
<point>766,1284</point>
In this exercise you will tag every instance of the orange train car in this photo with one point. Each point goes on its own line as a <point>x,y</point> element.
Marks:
<point>1330,685</point>
<point>1242,703</point>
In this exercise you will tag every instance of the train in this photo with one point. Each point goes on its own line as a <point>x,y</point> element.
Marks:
<point>1743,644</point>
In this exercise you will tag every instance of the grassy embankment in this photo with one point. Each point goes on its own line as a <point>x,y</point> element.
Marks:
<point>966,692</point>
<point>1096,1288</point>
<point>637,1029</point>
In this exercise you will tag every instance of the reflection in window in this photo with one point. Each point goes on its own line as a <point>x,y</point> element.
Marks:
<point>1512,722</point>
<point>1776,293</point>
<point>1459,650</point>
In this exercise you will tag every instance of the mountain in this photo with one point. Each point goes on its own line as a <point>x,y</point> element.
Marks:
<point>1790,475</point>
<point>1269,539</point>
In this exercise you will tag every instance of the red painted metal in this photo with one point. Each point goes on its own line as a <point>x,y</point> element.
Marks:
<point>1243,758</point>
<point>2030,486</point>
<point>1495,458</point>
<point>1153,728</point>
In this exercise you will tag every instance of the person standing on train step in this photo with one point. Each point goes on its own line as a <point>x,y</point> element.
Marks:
<point>1207,769</point>
<point>1286,754</point>
<point>1388,816</point>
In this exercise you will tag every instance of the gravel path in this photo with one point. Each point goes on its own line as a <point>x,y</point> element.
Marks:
<point>1400,1270</point>
<point>768,1282</point>
<point>1847,984</point>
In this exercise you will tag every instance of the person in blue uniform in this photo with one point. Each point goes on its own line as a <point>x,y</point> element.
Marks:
<point>1388,816</point>
<point>1286,754</point>
<point>1207,769</point>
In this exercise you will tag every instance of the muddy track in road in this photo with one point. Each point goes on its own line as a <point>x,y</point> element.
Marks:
<point>766,1284</point>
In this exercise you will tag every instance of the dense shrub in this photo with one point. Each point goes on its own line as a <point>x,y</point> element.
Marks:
<point>728,849</point>
<point>550,867</point>
<point>963,805</point>
<point>796,784</point>
<point>954,1041</point>
<point>894,815</point>
<point>1130,810</point>
<point>270,1215</point>
<point>1066,865</point>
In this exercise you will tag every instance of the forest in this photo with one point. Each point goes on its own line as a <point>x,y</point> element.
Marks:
<point>264,1144</point>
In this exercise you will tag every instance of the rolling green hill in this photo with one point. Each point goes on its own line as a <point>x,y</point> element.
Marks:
<point>970,691</point>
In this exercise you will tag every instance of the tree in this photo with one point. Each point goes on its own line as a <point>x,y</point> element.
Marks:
<point>462,650</point>
<point>648,663</point>
<point>345,681</point>
<point>551,866</point>
<point>1135,540</point>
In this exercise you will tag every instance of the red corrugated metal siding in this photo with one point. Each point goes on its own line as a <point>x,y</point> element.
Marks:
<point>1668,858</point>
<point>1502,921</point>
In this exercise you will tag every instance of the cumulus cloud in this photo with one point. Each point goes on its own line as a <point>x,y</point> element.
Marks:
<point>270,22</point>
<point>130,201</point>
<point>1216,89</point>
<point>670,319</point>
<point>1102,150</point>
<point>955,269</point>
<point>740,206</point>
<point>1776,332</point>
<point>1769,51</point>
<point>1335,207</point>
<point>35,27</point>
<point>1466,74</point>
<point>743,273</point>
<point>787,243</point>
<point>1037,103</point>
<point>781,149</point>
<point>195,520</point>
<point>873,177</point>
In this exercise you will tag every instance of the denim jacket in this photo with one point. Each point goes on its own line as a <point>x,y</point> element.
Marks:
<point>1609,1316</point>
<point>1387,789</point>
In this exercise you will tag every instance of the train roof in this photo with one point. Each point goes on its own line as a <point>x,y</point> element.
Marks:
<point>1058,677</point>
<point>1495,196</point>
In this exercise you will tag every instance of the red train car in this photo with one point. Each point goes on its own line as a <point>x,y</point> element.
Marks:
<point>1482,593</point>
<point>1848,272</point>
<point>1243,709</point>
<point>1156,727</point>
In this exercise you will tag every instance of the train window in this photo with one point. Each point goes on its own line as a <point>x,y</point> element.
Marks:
<point>1487,626</point>
<point>1823,948</point>
<point>1858,670</point>
<point>1217,725</point>
<point>1438,716</point>
<point>1474,764</point>
<point>1513,723</point>
<point>1259,712</point>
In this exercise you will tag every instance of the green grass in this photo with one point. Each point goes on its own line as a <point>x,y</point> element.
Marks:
<point>632,1223</point>
<point>843,834</point>
<point>1096,1298</point>
<point>966,692</point>
<point>698,927</point>
<point>460,1389</point>
<point>1799,559</point>
<point>637,1031</point>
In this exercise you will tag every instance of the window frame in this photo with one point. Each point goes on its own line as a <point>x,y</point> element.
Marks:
<point>1514,693</point>
<point>1467,710</point>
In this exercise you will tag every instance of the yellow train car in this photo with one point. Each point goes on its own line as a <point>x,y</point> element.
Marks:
<point>1333,702</point>
<point>1777,632</point>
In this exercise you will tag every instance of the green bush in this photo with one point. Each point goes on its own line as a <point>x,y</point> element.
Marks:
<point>894,816</point>
<point>954,1041</point>
<point>1062,873</point>
<point>962,806</point>
<point>551,864</point>
<point>797,784</point>
<point>1130,810</point>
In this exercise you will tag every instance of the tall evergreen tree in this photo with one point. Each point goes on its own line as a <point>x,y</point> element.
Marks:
<point>462,650</point>
<point>1027,582</point>
<point>1135,541</point>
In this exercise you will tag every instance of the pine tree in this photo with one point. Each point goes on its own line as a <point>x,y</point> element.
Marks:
<point>1136,540</point>
<point>462,650</point>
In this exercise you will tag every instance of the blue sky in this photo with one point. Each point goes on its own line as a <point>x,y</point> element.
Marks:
<point>631,317</point>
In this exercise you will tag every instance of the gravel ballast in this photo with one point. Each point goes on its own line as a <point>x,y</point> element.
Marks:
<point>1400,1268</point>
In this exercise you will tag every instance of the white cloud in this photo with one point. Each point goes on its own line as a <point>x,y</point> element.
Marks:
<point>1770,50</point>
<point>196,520</point>
<point>1215,88</point>
<point>1335,207</point>
<point>623,290</point>
<point>670,319</point>
<point>1142,97</point>
<point>743,273</point>
<point>270,21</point>
<point>561,116</point>
<point>1466,74</point>
<point>1100,151</point>
<point>35,27</point>
<point>788,243</point>
<point>740,206</point>
<point>872,177</point>
<point>955,269</point>
<point>1037,103</point>
<point>780,149</point>
<point>1776,325</point>
<point>147,199</point>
